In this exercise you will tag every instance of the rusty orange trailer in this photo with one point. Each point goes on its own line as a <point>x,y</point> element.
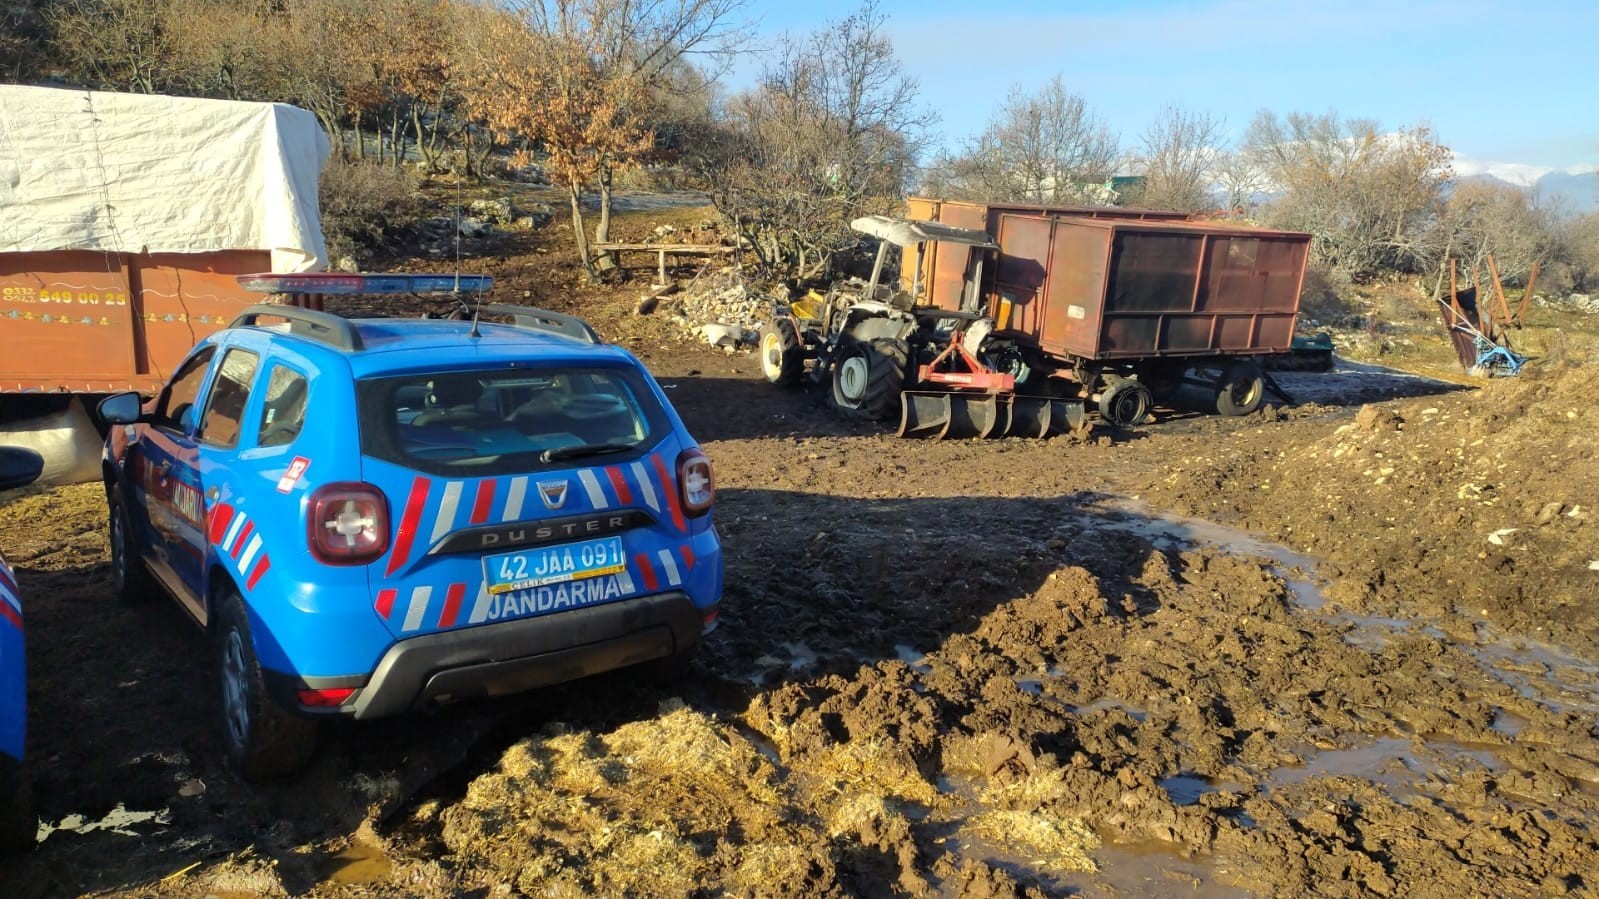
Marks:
<point>83,321</point>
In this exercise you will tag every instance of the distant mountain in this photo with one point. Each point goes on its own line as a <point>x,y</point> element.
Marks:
<point>1579,190</point>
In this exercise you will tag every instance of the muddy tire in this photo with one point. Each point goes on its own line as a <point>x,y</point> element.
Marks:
<point>1125,403</point>
<point>263,739</point>
<point>782,354</point>
<point>868,378</point>
<point>129,576</point>
<point>18,826</point>
<point>1241,389</point>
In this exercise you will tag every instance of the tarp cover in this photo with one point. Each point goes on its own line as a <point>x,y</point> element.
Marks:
<point>129,173</point>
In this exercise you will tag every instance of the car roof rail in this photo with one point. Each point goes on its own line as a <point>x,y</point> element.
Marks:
<point>319,326</point>
<point>533,318</point>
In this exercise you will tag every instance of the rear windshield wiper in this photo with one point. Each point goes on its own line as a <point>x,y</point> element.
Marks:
<point>585,449</point>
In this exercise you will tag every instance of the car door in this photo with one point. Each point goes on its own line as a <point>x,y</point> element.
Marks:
<point>159,452</point>
<point>206,455</point>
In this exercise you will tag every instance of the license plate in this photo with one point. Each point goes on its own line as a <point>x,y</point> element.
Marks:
<point>538,566</point>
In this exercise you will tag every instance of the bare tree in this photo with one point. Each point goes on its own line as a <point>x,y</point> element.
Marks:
<point>1041,148</point>
<point>1241,179</point>
<point>832,133</point>
<point>124,44</point>
<point>1179,155</point>
<point>1368,198</point>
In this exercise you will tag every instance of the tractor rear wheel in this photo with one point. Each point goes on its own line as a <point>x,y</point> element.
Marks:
<point>1240,390</point>
<point>869,377</point>
<point>782,355</point>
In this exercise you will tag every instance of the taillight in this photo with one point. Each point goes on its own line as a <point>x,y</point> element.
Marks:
<point>696,482</point>
<point>348,523</point>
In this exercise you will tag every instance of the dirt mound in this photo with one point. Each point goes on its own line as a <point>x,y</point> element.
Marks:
<point>1475,509</point>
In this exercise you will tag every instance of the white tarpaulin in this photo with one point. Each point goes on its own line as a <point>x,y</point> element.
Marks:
<point>129,173</point>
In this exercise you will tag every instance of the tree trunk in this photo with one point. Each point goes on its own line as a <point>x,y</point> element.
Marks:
<point>573,193</point>
<point>360,141</point>
<point>602,231</point>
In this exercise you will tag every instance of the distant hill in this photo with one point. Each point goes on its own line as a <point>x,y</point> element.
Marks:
<point>1579,191</point>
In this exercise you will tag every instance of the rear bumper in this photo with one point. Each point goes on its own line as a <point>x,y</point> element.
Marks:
<point>514,656</point>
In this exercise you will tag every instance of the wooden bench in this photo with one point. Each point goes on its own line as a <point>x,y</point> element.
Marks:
<point>662,250</point>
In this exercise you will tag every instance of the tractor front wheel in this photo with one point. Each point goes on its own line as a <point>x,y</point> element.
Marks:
<point>782,354</point>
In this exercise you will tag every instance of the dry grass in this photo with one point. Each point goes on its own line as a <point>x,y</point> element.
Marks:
<point>1046,840</point>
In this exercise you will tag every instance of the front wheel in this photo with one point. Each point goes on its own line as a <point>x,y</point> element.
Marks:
<point>129,576</point>
<point>1241,389</point>
<point>263,739</point>
<point>782,355</point>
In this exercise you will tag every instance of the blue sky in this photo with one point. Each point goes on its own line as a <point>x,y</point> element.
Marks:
<point>1501,82</point>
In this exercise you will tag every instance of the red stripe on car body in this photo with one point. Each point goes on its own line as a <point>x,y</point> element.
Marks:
<point>484,502</point>
<point>10,615</point>
<point>452,605</point>
<point>619,484</point>
<point>221,517</point>
<point>414,504</point>
<point>688,557</point>
<point>385,603</point>
<point>260,569</point>
<point>243,539</point>
<point>646,571</point>
<point>669,487</point>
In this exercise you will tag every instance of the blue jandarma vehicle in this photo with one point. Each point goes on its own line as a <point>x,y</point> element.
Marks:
<point>370,516</point>
<point>18,467</point>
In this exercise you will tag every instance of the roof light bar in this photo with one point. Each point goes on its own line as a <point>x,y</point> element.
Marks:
<point>339,283</point>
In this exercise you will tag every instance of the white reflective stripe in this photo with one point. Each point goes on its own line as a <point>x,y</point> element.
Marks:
<point>419,606</point>
<point>480,608</point>
<point>647,486</point>
<point>673,577</point>
<point>446,520</point>
<point>513,500</point>
<point>249,553</point>
<point>233,531</point>
<point>11,601</point>
<point>591,484</point>
<point>625,581</point>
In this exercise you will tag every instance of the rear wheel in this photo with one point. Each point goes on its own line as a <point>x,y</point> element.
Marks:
<point>1125,403</point>
<point>869,377</point>
<point>782,355</point>
<point>1240,390</point>
<point>128,574</point>
<point>263,739</point>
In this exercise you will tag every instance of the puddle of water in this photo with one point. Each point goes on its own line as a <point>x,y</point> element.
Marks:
<point>1100,705</point>
<point>1394,762</point>
<point>358,863</point>
<point>912,657</point>
<point>119,820</point>
<point>1508,723</point>
<point>1185,789</point>
<point>1153,871</point>
<point>802,656</point>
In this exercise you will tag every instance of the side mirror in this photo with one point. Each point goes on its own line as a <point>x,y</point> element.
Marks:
<point>19,467</point>
<point>121,409</point>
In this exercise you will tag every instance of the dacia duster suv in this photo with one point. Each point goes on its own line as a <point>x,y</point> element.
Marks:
<point>375,515</point>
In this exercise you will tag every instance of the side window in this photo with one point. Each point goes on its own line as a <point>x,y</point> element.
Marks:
<point>178,399</point>
<point>283,413</point>
<point>224,409</point>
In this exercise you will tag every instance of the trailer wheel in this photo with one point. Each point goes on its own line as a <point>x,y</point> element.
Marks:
<point>869,377</point>
<point>1125,403</point>
<point>1240,390</point>
<point>782,356</point>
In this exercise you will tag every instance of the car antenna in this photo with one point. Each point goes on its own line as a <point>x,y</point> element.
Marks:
<point>477,308</point>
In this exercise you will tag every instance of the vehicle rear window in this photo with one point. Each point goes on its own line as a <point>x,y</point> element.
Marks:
<point>483,423</point>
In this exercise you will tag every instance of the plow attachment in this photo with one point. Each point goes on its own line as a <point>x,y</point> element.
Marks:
<point>943,415</point>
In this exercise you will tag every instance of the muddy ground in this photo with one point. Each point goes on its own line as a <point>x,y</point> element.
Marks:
<point>1344,649</point>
